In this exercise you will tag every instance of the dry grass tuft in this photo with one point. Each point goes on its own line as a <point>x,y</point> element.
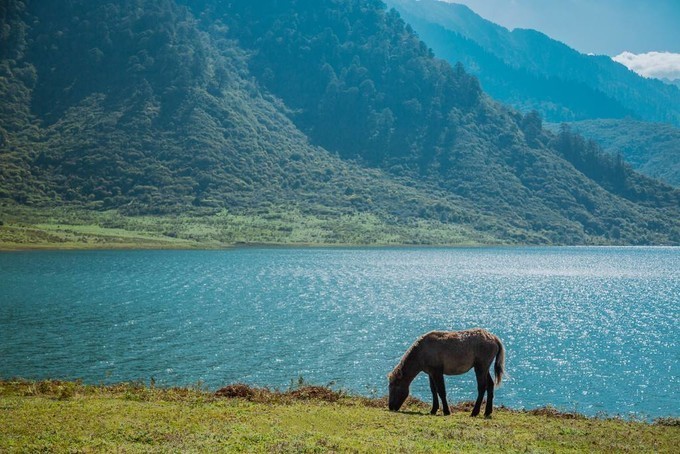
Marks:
<point>315,393</point>
<point>253,394</point>
<point>552,412</point>
<point>238,390</point>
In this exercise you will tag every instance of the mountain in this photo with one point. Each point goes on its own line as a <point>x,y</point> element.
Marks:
<point>651,148</point>
<point>328,107</point>
<point>130,105</point>
<point>531,71</point>
<point>675,82</point>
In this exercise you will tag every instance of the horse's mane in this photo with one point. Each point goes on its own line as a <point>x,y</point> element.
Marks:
<point>398,370</point>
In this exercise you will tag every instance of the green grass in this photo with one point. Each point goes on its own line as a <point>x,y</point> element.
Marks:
<point>71,417</point>
<point>78,228</point>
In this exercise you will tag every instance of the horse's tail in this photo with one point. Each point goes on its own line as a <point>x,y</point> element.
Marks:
<point>499,365</point>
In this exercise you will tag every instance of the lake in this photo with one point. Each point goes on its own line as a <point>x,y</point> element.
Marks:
<point>588,329</point>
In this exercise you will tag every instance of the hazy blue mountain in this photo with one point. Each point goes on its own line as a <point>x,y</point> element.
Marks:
<point>330,107</point>
<point>675,82</point>
<point>529,70</point>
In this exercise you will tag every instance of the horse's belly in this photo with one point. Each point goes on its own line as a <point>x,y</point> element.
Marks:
<point>457,369</point>
<point>456,364</point>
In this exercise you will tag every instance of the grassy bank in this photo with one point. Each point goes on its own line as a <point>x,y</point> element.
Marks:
<point>73,228</point>
<point>70,417</point>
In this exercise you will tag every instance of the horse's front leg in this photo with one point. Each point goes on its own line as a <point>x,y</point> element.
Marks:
<point>435,399</point>
<point>441,389</point>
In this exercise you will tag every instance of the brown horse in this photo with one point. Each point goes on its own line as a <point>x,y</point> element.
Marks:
<point>452,353</point>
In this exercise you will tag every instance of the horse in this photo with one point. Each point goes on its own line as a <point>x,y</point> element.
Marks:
<point>440,353</point>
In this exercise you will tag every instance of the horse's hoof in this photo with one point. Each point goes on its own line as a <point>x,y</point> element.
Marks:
<point>488,417</point>
<point>433,412</point>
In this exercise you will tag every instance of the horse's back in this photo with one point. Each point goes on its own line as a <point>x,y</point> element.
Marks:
<point>456,352</point>
<point>469,337</point>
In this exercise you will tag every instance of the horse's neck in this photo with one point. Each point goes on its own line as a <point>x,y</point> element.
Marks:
<point>411,367</point>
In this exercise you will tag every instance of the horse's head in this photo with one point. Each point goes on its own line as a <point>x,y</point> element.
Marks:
<point>399,390</point>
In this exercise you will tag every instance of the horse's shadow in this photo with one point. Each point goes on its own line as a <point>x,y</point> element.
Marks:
<point>414,413</point>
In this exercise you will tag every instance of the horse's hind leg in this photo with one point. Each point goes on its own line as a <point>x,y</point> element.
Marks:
<point>481,388</point>
<point>489,396</point>
<point>435,399</point>
<point>441,389</point>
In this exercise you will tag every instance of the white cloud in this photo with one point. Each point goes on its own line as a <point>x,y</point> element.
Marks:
<point>660,65</point>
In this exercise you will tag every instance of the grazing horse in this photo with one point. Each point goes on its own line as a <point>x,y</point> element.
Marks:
<point>440,353</point>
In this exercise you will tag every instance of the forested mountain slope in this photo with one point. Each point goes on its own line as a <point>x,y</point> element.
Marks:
<point>651,148</point>
<point>331,107</point>
<point>131,105</point>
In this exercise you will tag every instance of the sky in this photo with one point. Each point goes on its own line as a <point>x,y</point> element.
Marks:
<point>641,34</point>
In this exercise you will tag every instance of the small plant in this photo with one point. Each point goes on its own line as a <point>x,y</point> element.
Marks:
<point>372,392</point>
<point>66,390</point>
<point>297,384</point>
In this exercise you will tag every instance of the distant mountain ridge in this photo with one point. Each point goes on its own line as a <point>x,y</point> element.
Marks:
<point>327,107</point>
<point>675,82</point>
<point>529,70</point>
<point>652,148</point>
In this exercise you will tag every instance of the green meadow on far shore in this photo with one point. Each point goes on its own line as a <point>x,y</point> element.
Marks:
<point>53,416</point>
<point>23,228</point>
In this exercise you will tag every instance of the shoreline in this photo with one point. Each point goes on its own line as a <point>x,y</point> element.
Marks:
<point>70,417</point>
<point>55,247</point>
<point>68,389</point>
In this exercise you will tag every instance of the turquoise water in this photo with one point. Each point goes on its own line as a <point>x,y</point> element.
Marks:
<point>586,329</point>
